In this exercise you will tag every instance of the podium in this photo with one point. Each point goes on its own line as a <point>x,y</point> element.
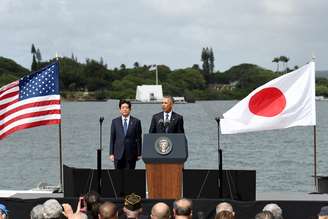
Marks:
<point>164,156</point>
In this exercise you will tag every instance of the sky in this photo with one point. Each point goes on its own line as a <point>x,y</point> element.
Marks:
<point>167,32</point>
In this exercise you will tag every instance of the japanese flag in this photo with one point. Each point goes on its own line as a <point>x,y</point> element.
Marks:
<point>284,102</point>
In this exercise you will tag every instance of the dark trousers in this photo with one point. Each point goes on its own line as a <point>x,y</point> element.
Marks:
<point>125,164</point>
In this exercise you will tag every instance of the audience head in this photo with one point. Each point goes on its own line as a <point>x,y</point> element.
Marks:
<point>274,209</point>
<point>108,210</point>
<point>160,211</point>
<point>92,201</point>
<point>182,208</point>
<point>91,198</point>
<point>37,212</point>
<point>3,211</point>
<point>225,215</point>
<point>323,214</point>
<point>224,206</point>
<point>264,215</point>
<point>132,206</point>
<point>52,209</point>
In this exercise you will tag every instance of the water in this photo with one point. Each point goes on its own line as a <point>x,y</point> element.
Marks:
<point>283,159</point>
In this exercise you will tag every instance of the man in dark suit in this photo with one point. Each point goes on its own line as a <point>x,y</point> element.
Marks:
<point>125,138</point>
<point>167,121</point>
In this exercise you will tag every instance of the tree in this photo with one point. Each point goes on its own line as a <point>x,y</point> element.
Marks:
<point>211,61</point>
<point>276,60</point>
<point>136,65</point>
<point>33,50</point>
<point>34,65</point>
<point>38,55</point>
<point>284,59</point>
<point>205,60</point>
<point>122,67</point>
<point>287,60</point>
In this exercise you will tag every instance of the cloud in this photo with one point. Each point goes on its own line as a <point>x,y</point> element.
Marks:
<point>166,32</point>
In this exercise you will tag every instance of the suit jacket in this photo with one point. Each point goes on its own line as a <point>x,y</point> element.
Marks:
<point>175,126</point>
<point>130,144</point>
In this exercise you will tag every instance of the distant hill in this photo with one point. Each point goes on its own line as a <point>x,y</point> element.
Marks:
<point>10,71</point>
<point>8,66</point>
<point>321,74</point>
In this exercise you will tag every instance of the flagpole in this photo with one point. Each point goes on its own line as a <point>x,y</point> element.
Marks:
<point>315,156</point>
<point>220,179</point>
<point>156,75</point>
<point>61,188</point>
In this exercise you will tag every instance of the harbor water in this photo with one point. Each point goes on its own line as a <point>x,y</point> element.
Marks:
<point>283,159</point>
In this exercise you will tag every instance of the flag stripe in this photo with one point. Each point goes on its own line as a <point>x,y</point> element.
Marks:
<point>28,115</point>
<point>30,125</point>
<point>14,113</point>
<point>8,86</point>
<point>11,90</point>
<point>36,101</point>
<point>29,120</point>
<point>9,98</point>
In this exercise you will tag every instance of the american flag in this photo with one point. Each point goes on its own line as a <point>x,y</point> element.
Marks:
<point>31,101</point>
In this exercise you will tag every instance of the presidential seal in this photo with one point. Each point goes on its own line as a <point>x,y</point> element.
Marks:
<point>163,145</point>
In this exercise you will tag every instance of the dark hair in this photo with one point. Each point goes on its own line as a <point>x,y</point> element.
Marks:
<point>92,199</point>
<point>123,102</point>
<point>225,215</point>
<point>264,215</point>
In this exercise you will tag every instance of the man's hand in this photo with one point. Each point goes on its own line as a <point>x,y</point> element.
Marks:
<point>111,157</point>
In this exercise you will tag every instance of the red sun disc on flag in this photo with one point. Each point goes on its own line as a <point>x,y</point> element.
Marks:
<point>267,102</point>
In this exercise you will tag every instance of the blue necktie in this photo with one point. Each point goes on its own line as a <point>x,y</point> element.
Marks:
<point>167,122</point>
<point>125,126</point>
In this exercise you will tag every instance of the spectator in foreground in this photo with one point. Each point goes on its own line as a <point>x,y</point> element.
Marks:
<point>3,212</point>
<point>264,215</point>
<point>224,206</point>
<point>52,209</point>
<point>182,208</point>
<point>108,210</point>
<point>133,207</point>
<point>160,211</point>
<point>274,209</point>
<point>92,202</point>
<point>37,212</point>
<point>225,215</point>
<point>323,214</point>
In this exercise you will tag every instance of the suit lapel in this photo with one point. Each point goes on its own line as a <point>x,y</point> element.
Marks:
<point>129,125</point>
<point>172,121</point>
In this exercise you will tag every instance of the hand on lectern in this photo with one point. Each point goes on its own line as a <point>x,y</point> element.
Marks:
<point>111,157</point>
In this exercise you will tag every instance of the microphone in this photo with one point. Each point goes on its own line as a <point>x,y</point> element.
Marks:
<point>101,119</point>
<point>161,122</point>
<point>166,123</point>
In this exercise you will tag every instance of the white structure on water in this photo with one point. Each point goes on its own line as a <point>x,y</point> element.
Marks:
<point>149,93</point>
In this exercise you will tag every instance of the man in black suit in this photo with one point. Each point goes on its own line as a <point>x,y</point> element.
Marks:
<point>167,121</point>
<point>125,138</point>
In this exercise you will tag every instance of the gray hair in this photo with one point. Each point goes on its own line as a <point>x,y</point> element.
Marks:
<point>52,209</point>
<point>224,206</point>
<point>37,212</point>
<point>274,209</point>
